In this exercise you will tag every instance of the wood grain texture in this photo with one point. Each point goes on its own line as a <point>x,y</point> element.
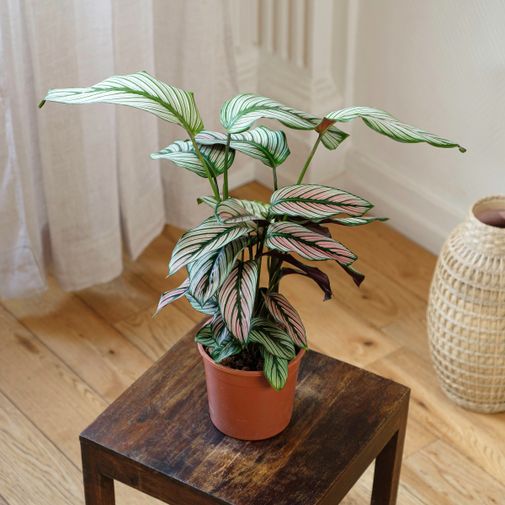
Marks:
<point>28,461</point>
<point>59,376</point>
<point>151,267</point>
<point>442,476</point>
<point>344,334</point>
<point>97,352</point>
<point>360,494</point>
<point>45,388</point>
<point>58,404</point>
<point>155,335</point>
<point>477,436</point>
<point>343,416</point>
<point>380,299</point>
<point>120,298</point>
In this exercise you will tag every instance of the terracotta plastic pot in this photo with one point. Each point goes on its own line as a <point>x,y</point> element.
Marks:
<point>243,405</point>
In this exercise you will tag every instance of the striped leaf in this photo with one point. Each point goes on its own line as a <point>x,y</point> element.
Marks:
<point>209,272</point>
<point>386,124</point>
<point>203,239</point>
<point>313,201</point>
<point>291,237</point>
<point>210,307</point>
<point>219,329</point>
<point>355,220</point>
<point>275,370</point>
<point>236,298</point>
<point>284,313</point>
<point>218,340</point>
<point>228,348</point>
<point>234,210</point>
<point>268,146</point>
<point>183,154</point>
<point>239,114</point>
<point>139,90</point>
<point>205,336</point>
<point>208,200</point>
<point>172,295</point>
<point>274,339</point>
<point>333,137</point>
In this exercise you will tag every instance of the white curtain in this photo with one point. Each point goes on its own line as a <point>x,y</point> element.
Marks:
<point>76,182</point>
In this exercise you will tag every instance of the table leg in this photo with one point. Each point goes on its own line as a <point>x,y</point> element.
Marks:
<point>98,489</point>
<point>387,468</point>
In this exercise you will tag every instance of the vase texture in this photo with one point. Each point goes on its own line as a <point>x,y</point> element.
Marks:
<point>243,405</point>
<point>466,310</point>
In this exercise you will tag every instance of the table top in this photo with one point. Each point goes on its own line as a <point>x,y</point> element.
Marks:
<point>162,423</point>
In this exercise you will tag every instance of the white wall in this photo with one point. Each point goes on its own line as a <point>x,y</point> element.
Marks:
<point>438,64</point>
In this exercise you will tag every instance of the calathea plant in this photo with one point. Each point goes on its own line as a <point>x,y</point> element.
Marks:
<point>224,255</point>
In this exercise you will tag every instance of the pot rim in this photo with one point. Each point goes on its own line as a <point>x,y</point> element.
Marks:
<point>244,373</point>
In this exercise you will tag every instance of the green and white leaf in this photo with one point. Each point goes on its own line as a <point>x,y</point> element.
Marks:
<point>210,307</point>
<point>274,339</point>
<point>355,220</point>
<point>284,313</point>
<point>237,296</point>
<point>183,154</point>
<point>240,113</point>
<point>208,200</point>
<point>234,210</point>
<point>386,124</point>
<point>229,348</point>
<point>268,146</point>
<point>205,336</point>
<point>291,237</point>
<point>219,329</point>
<point>139,90</point>
<point>332,137</point>
<point>203,239</point>
<point>316,202</point>
<point>209,272</point>
<point>275,370</point>
<point>172,295</point>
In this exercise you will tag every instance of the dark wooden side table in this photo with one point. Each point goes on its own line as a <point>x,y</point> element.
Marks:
<point>158,438</point>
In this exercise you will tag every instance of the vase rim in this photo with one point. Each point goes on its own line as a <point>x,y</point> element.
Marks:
<point>488,203</point>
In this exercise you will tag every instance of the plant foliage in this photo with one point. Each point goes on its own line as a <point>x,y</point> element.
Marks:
<point>224,255</point>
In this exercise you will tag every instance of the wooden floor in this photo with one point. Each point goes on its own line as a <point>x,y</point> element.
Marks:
<point>65,356</point>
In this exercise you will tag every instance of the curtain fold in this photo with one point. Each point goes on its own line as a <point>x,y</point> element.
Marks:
<point>76,183</point>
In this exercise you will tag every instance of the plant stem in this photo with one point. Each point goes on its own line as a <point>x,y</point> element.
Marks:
<point>273,274</point>
<point>210,176</point>
<point>225,178</point>
<point>274,171</point>
<point>309,159</point>
<point>259,252</point>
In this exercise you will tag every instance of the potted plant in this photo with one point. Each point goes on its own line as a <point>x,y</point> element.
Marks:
<point>253,340</point>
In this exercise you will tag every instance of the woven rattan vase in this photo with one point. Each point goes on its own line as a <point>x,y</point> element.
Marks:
<point>466,310</point>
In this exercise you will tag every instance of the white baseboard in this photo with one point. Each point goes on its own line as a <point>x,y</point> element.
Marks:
<point>419,214</point>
